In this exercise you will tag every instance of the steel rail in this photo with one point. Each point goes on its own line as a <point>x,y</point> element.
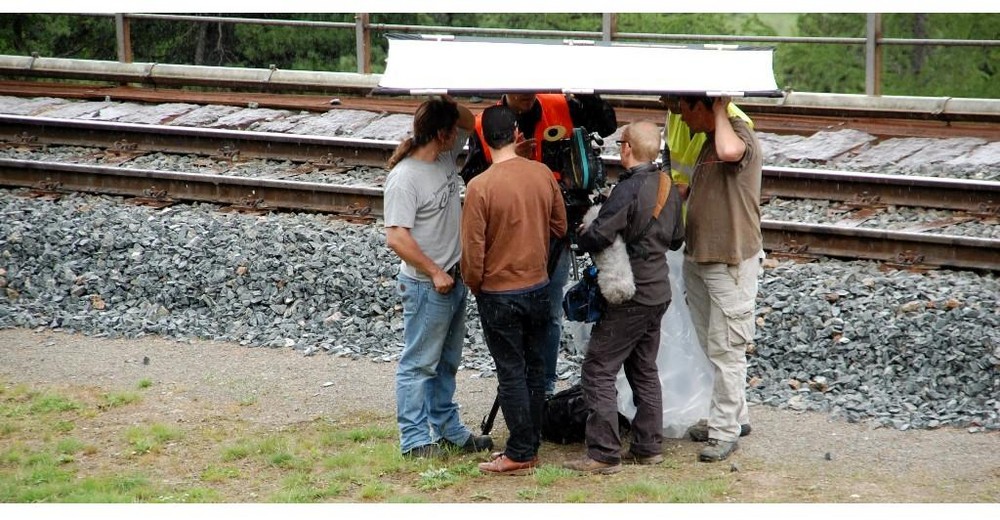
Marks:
<point>902,247</point>
<point>219,189</point>
<point>207,141</point>
<point>900,190</point>
<point>797,113</point>
<point>954,194</point>
<point>913,249</point>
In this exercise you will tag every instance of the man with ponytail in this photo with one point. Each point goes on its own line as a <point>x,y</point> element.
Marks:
<point>422,220</point>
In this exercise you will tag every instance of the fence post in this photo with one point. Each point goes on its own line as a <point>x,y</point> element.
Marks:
<point>363,37</point>
<point>609,26</point>
<point>123,33</point>
<point>873,55</point>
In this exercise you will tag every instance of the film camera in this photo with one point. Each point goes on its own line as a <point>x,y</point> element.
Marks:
<point>574,155</point>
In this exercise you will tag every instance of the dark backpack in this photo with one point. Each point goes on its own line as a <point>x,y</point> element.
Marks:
<point>565,417</point>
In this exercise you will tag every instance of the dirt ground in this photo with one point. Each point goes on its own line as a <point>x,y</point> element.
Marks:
<point>790,456</point>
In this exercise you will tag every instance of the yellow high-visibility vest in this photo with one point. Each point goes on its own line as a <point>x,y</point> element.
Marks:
<point>685,147</point>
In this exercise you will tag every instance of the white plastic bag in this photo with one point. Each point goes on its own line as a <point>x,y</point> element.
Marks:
<point>686,377</point>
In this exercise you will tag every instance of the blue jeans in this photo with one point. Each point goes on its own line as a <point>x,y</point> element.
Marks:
<point>553,336</point>
<point>433,332</point>
<point>514,326</point>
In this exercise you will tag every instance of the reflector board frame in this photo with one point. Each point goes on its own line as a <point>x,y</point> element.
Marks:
<point>438,64</point>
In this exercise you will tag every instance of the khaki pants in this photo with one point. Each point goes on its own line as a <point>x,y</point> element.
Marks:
<point>722,299</point>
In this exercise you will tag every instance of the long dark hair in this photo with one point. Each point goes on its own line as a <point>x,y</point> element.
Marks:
<point>432,117</point>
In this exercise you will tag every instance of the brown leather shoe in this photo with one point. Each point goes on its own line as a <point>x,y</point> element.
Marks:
<point>497,454</point>
<point>589,465</point>
<point>505,466</point>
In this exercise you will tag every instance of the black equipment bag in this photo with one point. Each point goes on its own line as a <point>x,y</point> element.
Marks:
<point>565,418</point>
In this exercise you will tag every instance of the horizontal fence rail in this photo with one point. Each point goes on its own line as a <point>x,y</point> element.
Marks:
<point>873,41</point>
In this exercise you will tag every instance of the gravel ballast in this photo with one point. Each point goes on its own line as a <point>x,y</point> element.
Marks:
<point>897,349</point>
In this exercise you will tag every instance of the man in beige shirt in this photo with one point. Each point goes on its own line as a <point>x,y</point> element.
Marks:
<point>722,260</point>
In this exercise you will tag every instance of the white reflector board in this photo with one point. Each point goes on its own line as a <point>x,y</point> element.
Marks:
<point>431,65</point>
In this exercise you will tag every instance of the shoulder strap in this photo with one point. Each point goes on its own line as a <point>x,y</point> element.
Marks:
<point>661,200</point>
<point>661,193</point>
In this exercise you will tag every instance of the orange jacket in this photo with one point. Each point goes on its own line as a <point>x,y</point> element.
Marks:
<point>555,112</point>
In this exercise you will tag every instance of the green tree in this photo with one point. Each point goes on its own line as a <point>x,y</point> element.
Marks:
<point>938,70</point>
<point>816,67</point>
<point>58,36</point>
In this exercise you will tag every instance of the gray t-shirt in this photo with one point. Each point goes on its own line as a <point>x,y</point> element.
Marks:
<point>425,198</point>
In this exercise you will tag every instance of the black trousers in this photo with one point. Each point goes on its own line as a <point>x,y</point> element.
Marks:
<point>514,326</point>
<point>627,335</point>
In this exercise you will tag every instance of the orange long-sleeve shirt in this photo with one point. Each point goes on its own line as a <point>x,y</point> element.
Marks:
<point>511,210</point>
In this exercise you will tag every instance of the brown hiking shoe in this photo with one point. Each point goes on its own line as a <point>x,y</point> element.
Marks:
<point>699,432</point>
<point>648,460</point>
<point>589,465</point>
<point>716,450</point>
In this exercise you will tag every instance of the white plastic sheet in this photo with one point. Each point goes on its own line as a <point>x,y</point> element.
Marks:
<point>686,377</point>
<point>417,66</point>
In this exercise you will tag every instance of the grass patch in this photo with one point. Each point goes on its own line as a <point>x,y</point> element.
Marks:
<point>374,491</point>
<point>69,446</point>
<point>436,478</point>
<point>49,456</point>
<point>548,474</point>
<point>116,399</point>
<point>7,428</point>
<point>144,384</point>
<point>240,450</point>
<point>151,439</point>
<point>529,494</point>
<point>48,403</point>
<point>696,491</point>
<point>219,473</point>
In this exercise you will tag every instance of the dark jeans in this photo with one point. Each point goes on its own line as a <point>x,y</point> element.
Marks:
<point>627,335</point>
<point>514,326</point>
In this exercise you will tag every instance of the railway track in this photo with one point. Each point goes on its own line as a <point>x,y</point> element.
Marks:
<point>863,192</point>
<point>781,118</point>
<point>364,204</point>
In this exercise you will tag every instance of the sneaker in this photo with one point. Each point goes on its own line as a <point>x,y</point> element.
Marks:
<point>648,460</point>
<point>505,466</point>
<point>478,443</point>
<point>699,432</point>
<point>427,451</point>
<point>589,465</point>
<point>716,450</point>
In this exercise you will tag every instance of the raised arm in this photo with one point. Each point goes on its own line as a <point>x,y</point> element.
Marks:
<point>728,144</point>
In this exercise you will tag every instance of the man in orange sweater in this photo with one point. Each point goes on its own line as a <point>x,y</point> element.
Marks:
<point>511,211</point>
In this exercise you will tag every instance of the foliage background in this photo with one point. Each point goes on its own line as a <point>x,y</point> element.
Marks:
<point>909,70</point>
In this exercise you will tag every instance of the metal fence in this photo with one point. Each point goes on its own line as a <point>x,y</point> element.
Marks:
<point>873,42</point>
